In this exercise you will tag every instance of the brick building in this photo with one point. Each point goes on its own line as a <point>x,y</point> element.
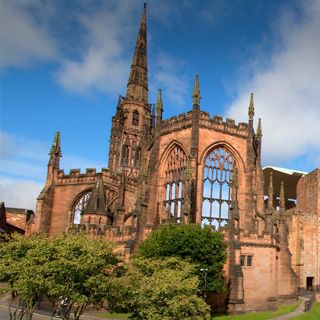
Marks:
<point>191,168</point>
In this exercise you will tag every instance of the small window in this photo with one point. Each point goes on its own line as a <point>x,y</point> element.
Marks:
<point>125,155</point>
<point>135,118</point>
<point>137,158</point>
<point>246,260</point>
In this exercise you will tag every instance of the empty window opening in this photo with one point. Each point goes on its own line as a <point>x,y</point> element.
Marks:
<point>135,118</point>
<point>79,206</point>
<point>174,187</point>
<point>217,178</point>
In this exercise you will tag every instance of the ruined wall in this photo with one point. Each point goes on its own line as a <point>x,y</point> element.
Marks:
<point>305,239</point>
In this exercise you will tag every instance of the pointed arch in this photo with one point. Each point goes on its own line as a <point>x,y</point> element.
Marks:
<point>240,163</point>
<point>135,118</point>
<point>79,204</point>
<point>173,165</point>
<point>220,164</point>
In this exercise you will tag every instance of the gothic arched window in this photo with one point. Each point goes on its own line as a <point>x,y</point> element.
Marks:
<point>137,158</point>
<point>125,155</point>
<point>135,118</point>
<point>218,168</point>
<point>78,207</point>
<point>173,185</point>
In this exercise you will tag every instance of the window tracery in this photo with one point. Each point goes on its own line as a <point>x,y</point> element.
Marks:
<point>79,206</point>
<point>218,168</point>
<point>174,175</point>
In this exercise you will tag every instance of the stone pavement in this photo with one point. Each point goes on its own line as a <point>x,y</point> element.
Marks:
<point>299,311</point>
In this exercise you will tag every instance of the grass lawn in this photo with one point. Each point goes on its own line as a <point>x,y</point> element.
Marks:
<point>114,315</point>
<point>284,309</point>
<point>313,314</point>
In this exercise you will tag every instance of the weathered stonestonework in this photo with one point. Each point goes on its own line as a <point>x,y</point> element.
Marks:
<point>191,168</point>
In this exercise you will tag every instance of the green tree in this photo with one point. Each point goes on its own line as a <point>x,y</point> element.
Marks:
<point>71,267</point>
<point>193,243</point>
<point>163,289</point>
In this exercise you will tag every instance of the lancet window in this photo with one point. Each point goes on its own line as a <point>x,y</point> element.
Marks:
<point>137,157</point>
<point>173,186</point>
<point>135,118</point>
<point>219,166</point>
<point>79,206</point>
<point>125,155</point>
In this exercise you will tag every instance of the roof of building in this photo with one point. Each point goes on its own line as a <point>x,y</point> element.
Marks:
<point>289,177</point>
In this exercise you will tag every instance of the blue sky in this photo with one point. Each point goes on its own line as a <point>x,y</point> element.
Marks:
<point>64,63</point>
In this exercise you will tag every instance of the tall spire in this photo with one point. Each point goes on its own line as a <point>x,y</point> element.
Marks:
<point>137,88</point>
<point>196,92</point>
<point>251,107</point>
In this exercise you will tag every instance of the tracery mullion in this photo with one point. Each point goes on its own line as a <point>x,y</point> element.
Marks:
<point>218,168</point>
<point>175,167</point>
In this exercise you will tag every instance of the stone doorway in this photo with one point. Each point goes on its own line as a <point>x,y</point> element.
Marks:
<point>310,283</point>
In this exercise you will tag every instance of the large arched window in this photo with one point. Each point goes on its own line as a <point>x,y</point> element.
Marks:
<point>219,166</point>
<point>78,207</point>
<point>174,175</point>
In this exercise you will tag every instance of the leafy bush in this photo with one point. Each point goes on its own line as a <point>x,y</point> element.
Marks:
<point>193,243</point>
<point>163,289</point>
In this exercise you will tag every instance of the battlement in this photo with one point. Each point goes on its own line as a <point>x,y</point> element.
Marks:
<point>181,121</point>
<point>228,126</point>
<point>255,239</point>
<point>111,233</point>
<point>184,120</point>
<point>90,176</point>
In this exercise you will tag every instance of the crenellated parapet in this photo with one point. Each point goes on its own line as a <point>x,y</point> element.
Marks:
<point>90,176</point>
<point>182,121</point>
<point>229,126</point>
<point>111,233</point>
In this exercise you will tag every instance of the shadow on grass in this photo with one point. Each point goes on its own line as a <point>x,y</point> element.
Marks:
<point>283,309</point>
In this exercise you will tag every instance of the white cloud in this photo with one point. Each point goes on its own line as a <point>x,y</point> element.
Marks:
<point>23,169</point>
<point>170,76</point>
<point>104,63</point>
<point>19,193</point>
<point>287,92</point>
<point>90,44</point>
<point>23,38</point>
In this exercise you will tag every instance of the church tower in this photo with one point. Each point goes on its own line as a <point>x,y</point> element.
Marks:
<point>132,123</point>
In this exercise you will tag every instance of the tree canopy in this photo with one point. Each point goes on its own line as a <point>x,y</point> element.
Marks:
<point>71,267</point>
<point>193,243</point>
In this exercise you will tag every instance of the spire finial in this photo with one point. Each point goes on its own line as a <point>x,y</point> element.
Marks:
<point>55,148</point>
<point>159,106</point>
<point>137,88</point>
<point>282,200</point>
<point>196,91</point>
<point>259,130</point>
<point>251,107</point>
<point>270,195</point>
